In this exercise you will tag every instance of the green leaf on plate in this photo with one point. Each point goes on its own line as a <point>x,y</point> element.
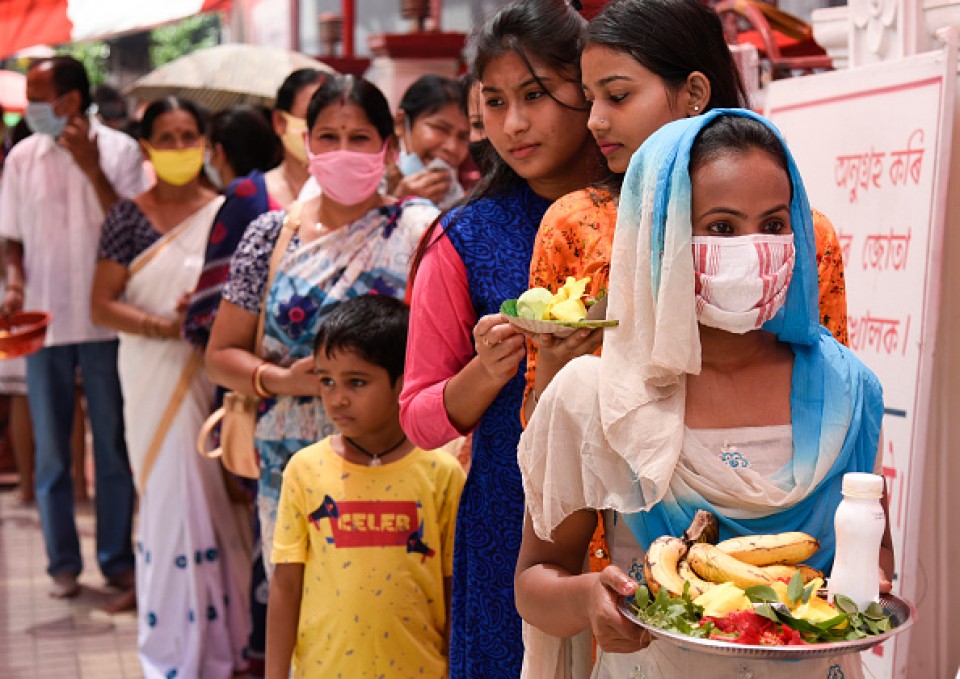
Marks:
<point>509,307</point>
<point>642,597</point>
<point>762,594</point>
<point>766,611</point>
<point>795,587</point>
<point>845,604</point>
<point>832,622</point>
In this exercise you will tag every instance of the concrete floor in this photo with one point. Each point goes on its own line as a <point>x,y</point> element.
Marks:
<point>41,637</point>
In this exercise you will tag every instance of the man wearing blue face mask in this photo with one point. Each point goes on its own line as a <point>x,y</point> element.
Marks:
<point>57,186</point>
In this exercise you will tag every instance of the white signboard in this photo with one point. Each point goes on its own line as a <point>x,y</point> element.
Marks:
<point>873,145</point>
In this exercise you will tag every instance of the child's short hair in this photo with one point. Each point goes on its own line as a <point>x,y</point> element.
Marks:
<point>374,326</point>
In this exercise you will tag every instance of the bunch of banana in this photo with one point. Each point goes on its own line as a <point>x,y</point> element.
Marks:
<point>692,560</point>
<point>764,550</point>
<point>662,563</point>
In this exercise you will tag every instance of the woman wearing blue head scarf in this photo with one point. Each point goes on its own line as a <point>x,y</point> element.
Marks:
<point>719,390</point>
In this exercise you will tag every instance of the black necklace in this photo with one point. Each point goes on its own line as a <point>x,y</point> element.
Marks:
<point>375,457</point>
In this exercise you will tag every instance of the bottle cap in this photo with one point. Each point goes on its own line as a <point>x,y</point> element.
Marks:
<point>862,485</point>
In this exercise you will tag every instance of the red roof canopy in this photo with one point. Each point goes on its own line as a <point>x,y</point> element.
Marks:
<point>24,23</point>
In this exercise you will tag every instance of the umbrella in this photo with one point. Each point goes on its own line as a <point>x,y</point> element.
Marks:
<point>224,75</point>
<point>13,91</point>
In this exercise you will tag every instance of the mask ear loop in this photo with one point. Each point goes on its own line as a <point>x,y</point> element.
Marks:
<point>407,130</point>
<point>306,145</point>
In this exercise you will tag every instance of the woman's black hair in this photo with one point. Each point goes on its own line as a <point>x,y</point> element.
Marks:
<point>373,326</point>
<point>357,91</point>
<point>672,39</point>
<point>110,105</point>
<point>549,31</point>
<point>247,139</point>
<point>292,85</point>
<point>739,134</point>
<point>465,83</point>
<point>160,106</point>
<point>430,93</point>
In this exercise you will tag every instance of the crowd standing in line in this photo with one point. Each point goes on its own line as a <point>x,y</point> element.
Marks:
<point>57,186</point>
<point>564,122</point>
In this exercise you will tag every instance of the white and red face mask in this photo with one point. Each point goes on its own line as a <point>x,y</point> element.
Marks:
<point>741,281</point>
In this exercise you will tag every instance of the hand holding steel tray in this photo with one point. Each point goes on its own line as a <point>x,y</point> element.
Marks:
<point>596,318</point>
<point>902,615</point>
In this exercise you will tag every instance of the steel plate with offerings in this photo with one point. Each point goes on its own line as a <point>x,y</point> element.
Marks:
<point>562,313</point>
<point>752,596</point>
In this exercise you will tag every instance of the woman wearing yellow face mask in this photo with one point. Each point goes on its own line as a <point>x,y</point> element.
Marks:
<point>190,558</point>
<point>285,181</point>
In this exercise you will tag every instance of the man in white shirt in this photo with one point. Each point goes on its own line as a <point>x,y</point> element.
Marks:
<point>57,186</point>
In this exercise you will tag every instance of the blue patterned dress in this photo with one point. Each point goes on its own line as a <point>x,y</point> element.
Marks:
<point>494,238</point>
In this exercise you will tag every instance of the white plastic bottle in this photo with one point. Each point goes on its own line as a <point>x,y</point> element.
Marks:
<point>859,524</point>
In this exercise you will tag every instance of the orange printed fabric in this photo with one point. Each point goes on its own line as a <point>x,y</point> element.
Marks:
<point>833,287</point>
<point>575,239</point>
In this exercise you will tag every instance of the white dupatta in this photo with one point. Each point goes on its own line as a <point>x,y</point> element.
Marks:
<point>185,510</point>
<point>151,368</point>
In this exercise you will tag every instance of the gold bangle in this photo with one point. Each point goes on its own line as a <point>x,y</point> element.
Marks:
<point>258,386</point>
<point>150,326</point>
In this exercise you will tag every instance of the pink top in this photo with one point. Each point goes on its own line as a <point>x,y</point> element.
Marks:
<point>439,344</point>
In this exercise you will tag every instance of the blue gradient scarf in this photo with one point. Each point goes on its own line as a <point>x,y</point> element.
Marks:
<point>836,401</point>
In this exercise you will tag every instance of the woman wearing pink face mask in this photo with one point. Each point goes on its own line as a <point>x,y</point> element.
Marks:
<point>349,241</point>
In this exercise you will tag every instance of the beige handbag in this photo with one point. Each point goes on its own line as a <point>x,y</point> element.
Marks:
<point>238,416</point>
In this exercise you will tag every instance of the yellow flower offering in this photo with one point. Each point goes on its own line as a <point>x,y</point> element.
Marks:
<point>540,304</point>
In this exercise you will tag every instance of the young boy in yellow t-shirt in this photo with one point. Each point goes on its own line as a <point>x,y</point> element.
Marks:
<point>363,545</point>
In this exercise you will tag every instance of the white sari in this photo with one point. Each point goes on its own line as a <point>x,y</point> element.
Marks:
<point>193,548</point>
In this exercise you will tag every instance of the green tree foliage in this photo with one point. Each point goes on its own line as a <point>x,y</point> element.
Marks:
<point>166,44</point>
<point>175,40</point>
<point>93,55</point>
